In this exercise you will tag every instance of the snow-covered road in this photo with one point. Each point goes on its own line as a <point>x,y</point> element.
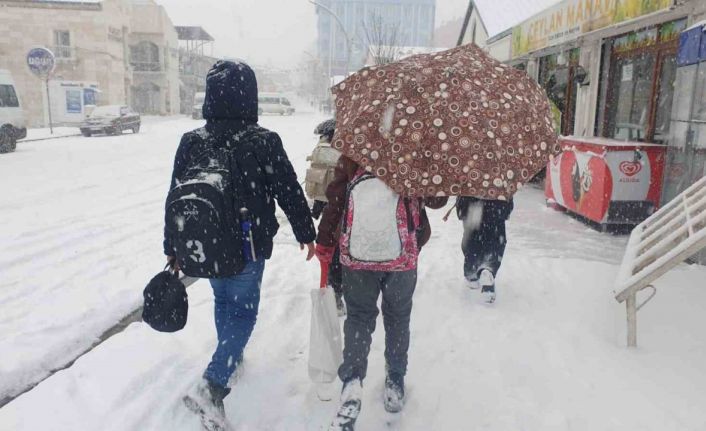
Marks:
<point>81,234</point>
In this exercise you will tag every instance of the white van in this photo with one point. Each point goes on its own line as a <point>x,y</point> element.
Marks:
<point>274,103</point>
<point>13,125</point>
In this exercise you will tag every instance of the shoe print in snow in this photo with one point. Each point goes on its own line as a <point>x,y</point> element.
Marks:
<point>472,284</point>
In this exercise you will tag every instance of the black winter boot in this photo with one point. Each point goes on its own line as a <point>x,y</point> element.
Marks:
<point>206,401</point>
<point>393,396</point>
<point>350,406</point>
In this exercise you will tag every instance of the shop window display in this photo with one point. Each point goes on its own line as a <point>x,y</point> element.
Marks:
<point>642,72</point>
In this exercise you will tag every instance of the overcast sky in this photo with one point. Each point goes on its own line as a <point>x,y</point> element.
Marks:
<point>265,32</point>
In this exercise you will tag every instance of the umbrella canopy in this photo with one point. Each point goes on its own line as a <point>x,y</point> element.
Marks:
<point>455,123</point>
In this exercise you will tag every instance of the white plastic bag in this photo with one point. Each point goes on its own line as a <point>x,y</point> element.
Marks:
<point>325,347</point>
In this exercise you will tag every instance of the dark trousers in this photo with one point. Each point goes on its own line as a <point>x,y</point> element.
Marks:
<point>361,290</point>
<point>484,236</point>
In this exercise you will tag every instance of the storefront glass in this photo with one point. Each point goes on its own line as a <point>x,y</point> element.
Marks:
<point>641,76</point>
<point>556,75</point>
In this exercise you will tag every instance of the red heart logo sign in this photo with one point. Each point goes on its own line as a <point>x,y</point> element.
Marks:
<point>630,168</point>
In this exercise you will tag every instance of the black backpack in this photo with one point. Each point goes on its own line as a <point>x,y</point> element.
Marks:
<point>166,305</point>
<point>202,212</point>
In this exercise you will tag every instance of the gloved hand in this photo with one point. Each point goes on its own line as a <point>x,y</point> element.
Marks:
<point>324,253</point>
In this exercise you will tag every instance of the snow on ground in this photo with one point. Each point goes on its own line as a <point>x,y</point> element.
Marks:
<point>46,133</point>
<point>84,229</point>
<point>81,229</point>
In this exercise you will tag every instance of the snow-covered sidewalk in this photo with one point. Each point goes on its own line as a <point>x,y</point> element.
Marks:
<point>547,356</point>
<point>81,231</point>
<point>42,134</point>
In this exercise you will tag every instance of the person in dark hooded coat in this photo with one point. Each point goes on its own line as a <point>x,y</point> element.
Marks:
<point>231,113</point>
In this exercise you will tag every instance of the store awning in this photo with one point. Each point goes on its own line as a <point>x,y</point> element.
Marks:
<point>193,33</point>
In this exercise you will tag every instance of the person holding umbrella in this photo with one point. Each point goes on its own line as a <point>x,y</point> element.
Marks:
<point>380,239</point>
<point>455,123</point>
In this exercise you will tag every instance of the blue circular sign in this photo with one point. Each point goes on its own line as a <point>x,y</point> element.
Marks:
<point>40,61</point>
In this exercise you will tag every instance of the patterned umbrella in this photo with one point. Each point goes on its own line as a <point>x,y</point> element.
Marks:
<point>455,123</point>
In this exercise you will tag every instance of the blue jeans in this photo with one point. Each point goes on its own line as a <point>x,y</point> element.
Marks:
<point>237,300</point>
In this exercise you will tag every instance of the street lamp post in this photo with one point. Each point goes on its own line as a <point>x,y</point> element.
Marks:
<point>343,29</point>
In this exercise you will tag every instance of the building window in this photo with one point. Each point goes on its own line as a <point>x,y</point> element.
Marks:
<point>144,57</point>
<point>73,102</point>
<point>8,97</point>
<point>62,44</point>
<point>640,85</point>
<point>89,96</point>
<point>556,75</point>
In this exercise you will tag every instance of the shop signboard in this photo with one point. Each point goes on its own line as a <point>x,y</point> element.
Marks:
<point>570,19</point>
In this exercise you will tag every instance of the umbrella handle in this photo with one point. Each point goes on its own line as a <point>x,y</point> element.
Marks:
<point>448,213</point>
<point>324,275</point>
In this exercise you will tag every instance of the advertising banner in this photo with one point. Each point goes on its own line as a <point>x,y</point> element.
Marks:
<point>571,18</point>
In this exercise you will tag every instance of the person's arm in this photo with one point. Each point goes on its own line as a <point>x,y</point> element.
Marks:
<point>180,164</point>
<point>282,179</point>
<point>336,195</point>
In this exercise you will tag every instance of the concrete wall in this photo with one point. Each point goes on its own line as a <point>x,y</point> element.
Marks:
<point>98,34</point>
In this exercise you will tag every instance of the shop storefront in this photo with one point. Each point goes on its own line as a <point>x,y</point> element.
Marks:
<point>72,101</point>
<point>641,69</point>
<point>623,96</point>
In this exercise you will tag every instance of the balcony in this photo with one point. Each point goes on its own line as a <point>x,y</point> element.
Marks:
<point>63,52</point>
<point>146,66</point>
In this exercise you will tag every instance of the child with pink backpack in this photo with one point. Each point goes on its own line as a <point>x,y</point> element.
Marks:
<point>379,234</point>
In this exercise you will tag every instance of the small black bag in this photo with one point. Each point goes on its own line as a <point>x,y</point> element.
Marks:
<point>166,303</point>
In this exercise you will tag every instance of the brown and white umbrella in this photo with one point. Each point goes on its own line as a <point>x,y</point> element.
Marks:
<point>454,123</point>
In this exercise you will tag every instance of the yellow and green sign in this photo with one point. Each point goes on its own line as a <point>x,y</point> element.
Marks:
<point>571,18</point>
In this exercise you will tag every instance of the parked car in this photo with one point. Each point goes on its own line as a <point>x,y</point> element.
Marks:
<point>111,120</point>
<point>273,103</point>
<point>197,109</point>
<point>13,125</point>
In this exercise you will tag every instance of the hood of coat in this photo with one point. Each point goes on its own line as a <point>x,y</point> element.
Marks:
<point>231,93</point>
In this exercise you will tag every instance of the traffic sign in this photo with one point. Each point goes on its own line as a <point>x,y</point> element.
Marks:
<point>40,61</point>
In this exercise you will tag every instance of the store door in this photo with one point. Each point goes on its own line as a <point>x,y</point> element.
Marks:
<point>146,98</point>
<point>557,75</point>
<point>686,157</point>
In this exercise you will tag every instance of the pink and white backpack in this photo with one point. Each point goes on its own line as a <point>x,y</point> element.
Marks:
<point>379,230</point>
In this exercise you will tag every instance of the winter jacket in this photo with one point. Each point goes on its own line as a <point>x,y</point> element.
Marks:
<point>329,227</point>
<point>265,169</point>
<point>499,210</point>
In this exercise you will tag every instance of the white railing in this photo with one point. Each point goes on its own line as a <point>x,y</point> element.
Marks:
<point>671,235</point>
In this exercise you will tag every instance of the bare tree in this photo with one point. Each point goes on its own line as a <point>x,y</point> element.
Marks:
<point>383,38</point>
